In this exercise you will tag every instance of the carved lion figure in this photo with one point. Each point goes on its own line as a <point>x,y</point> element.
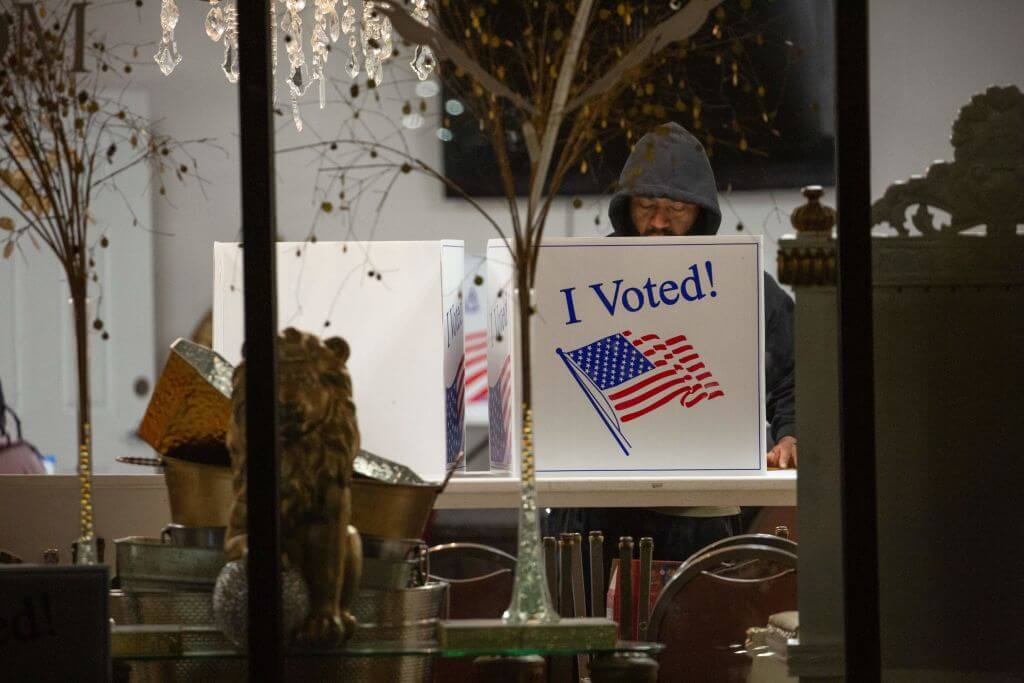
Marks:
<point>319,442</point>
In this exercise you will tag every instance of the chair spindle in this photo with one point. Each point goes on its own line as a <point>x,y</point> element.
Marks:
<point>644,606</point>
<point>626,588</point>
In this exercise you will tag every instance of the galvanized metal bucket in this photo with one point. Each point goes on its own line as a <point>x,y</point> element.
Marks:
<point>147,564</point>
<point>400,606</point>
<point>393,563</point>
<point>392,510</point>
<point>194,536</point>
<point>200,495</point>
<point>161,607</point>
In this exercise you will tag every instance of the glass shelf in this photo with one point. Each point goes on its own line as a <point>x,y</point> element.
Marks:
<point>396,650</point>
<point>621,647</point>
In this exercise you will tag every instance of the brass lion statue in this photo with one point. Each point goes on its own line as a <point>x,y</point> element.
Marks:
<point>319,442</point>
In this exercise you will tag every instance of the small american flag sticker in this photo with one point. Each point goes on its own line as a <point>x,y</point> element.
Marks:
<point>626,376</point>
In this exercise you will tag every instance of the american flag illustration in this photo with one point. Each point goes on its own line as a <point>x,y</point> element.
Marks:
<point>455,411</point>
<point>476,366</point>
<point>626,376</point>
<point>499,406</point>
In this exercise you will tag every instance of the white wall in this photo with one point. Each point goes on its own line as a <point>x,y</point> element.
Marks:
<point>928,57</point>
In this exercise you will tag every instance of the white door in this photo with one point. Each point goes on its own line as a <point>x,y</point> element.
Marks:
<point>37,360</point>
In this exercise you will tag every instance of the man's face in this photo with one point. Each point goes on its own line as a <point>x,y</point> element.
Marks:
<point>659,216</point>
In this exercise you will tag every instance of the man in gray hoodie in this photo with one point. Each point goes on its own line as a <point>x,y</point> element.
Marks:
<point>667,188</point>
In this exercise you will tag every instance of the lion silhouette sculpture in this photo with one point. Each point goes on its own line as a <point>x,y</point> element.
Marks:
<point>319,442</point>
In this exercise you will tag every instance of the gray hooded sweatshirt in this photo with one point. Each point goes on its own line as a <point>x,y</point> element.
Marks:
<point>670,162</point>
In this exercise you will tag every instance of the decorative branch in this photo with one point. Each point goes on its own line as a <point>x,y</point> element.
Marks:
<point>419,34</point>
<point>412,163</point>
<point>58,149</point>
<point>680,26</point>
<point>557,110</point>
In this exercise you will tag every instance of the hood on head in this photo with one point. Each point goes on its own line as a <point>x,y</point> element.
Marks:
<point>667,162</point>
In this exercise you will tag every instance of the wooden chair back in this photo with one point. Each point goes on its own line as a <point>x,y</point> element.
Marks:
<point>479,581</point>
<point>479,578</point>
<point>703,613</point>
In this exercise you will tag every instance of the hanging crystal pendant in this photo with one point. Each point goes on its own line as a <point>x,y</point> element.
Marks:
<point>230,24</point>
<point>423,57</point>
<point>419,11</point>
<point>222,23</point>
<point>273,48</point>
<point>167,55</point>
<point>333,23</point>
<point>348,28</point>
<point>230,65</point>
<point>320,42</point>
<point>214,21</point>
<point>352,66</point>
<point>348,18</point>
<point>372,41</point>
<point>369,34</point>
<point>422,62</point>
<point>298,78</point>
<point>387,46</point>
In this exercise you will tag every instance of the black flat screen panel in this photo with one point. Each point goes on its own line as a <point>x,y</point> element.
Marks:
<point>796,64</point>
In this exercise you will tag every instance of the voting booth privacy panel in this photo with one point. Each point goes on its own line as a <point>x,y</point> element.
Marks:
<point>647,357</point>
<point>474,304</point>
<point>399,305</point>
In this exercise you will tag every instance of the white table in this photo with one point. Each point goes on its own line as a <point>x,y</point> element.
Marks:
<point>776,488</point>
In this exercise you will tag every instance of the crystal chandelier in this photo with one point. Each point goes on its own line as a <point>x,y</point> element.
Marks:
<point>367,32</point>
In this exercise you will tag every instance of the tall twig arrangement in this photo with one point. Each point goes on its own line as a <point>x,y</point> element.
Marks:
<point>64,140</point>
<point>568,78</point>
<point>560,77</point>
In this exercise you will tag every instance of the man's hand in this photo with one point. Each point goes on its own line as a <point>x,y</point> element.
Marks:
<point>784,453</point>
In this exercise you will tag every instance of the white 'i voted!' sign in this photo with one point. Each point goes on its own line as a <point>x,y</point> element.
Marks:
<point>647,357</point>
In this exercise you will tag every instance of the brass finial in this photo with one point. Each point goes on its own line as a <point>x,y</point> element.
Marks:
<point>813,217</point>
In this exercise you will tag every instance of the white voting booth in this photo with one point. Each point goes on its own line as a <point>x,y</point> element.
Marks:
<point>647,357</point>
<point>503,411</point>
<point>475,307</point>
<point>399,306</point>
